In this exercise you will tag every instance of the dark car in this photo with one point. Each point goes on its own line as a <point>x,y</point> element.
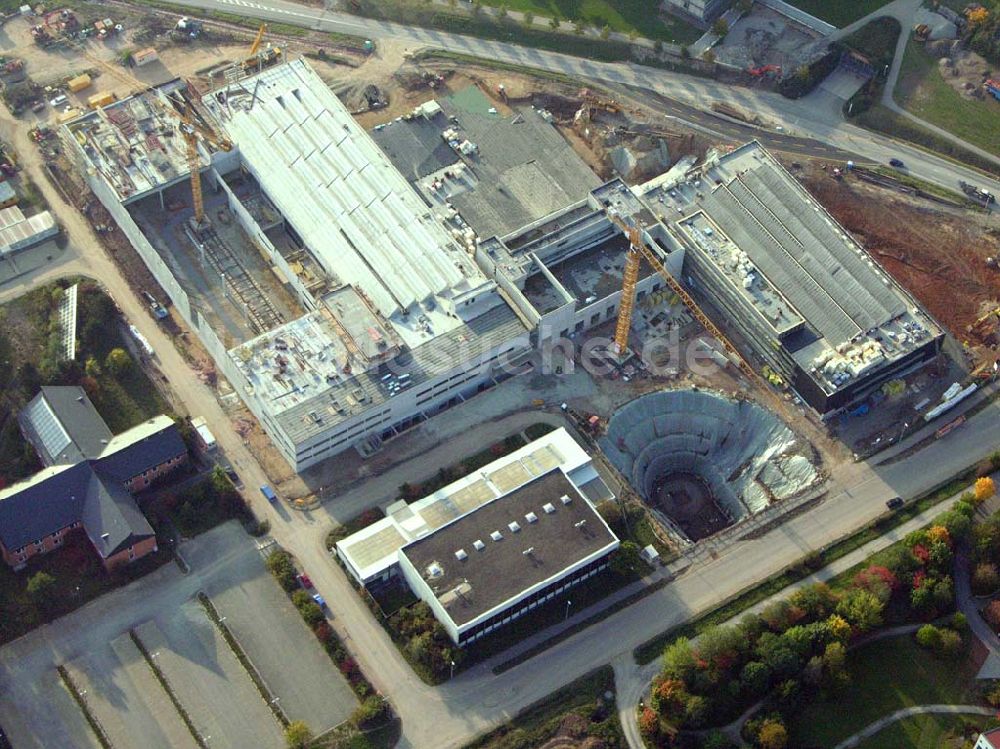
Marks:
<point>895,503</point>
<point>234,477</point>
<point>898,163</point>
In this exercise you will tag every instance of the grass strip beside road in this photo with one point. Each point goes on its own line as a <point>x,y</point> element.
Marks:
<point>536,724</point>
<point>160,677</point>
<point>883,120</point>
<point>243,658</point>
<point>95,726</point>
<point>734,606</point>
<point>579,626</point>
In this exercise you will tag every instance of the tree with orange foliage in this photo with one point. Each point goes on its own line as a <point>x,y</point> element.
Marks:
<point>978,16</point>
<point>938,533</point>
<point>983,489</point>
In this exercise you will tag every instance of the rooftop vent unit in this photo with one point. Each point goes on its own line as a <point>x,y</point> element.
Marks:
<point>496,535</point>
<point>478,545</point>
<point>531,517</point>
<point>434,570</point>
<point>529,551</point>
<point>580,523</point>
<point>514,526</point>
<point>549,508</point>
<point>460,555</point>
<point>565,499</point>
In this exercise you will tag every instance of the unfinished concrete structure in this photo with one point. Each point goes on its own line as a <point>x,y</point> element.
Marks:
<point>804,296</point>
<point>349,291</point>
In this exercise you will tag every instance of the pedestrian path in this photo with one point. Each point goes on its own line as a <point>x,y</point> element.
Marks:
<point>909,712</point>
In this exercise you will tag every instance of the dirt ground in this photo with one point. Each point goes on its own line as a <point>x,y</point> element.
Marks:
<point>937,253</point>
<point>962,69</point>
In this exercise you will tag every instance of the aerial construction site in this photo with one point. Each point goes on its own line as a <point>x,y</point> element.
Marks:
<point>351,284</point>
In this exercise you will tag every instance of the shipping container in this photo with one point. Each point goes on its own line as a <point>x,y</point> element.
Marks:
<point>79,83</point>
<point>101,100</point>
<point>145,56</point>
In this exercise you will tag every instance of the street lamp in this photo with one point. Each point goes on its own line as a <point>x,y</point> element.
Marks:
<point>568,603</point>
<point>452,670</point>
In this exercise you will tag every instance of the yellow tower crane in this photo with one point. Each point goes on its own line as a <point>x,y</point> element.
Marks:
<point>633,260</point>
<point>190,128</point>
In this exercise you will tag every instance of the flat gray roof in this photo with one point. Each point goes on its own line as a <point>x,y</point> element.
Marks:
<point>521,559</point>
<point>334,403</point>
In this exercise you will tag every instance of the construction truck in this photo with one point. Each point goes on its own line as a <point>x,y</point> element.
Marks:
<point>977,193</point>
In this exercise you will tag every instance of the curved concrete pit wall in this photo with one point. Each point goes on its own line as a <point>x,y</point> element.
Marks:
<point>746,456</point>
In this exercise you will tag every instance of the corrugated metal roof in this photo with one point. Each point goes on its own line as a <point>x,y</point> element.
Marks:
<point>354,210</point>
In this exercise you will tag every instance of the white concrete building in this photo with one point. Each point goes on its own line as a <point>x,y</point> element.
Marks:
<point>496,544</point>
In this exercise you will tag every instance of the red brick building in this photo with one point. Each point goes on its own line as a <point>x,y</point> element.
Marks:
<point>88,481</point>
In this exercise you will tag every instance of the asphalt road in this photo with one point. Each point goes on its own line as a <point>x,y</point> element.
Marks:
<point>448,716</point>
<point>813,117</point>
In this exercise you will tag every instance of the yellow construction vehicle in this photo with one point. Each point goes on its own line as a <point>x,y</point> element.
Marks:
<point>259,58</point>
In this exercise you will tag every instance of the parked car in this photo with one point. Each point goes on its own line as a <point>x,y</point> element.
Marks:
<point>268,492</point>
<point>898,163</point>
<point>59,100</point>
<point>304,580</point>
<point>319,601</point>
<point>234,477</point>
<point>895,503</point>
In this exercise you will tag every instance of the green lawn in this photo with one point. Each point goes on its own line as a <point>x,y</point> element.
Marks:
<point>876,40</point>
<point>923,91</point>
<point>885,676</point>
<point>929,732</point>
<point>619,15</point>
<point>839,12</point>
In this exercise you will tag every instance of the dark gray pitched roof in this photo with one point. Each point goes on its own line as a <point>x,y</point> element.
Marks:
<point>64,426</point>
<point>44,505</point>
<point>111,517</point>
<point>415,147</point>
<point>139,456</point>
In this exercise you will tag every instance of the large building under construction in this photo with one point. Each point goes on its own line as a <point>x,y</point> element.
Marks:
<point>350,285</point>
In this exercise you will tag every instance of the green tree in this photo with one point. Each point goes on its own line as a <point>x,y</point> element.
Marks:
<point>816,601</point>
<point>626,560</point>
<point>477,7</point>
<point>554,23</point>
<point>720,27</point>
<point>529,18</point>
<point>579,27</point>
<point>950,644</point>
<point>502,11</point>
<point>280,565</point>
<point>605,31</point>
<point>755,678</point>
<point>298,735</point>
<point>118,361</point>
<point>678,660</point>
<point>695,711</point>
<point>929,636</point>
<point>370,712</point>
<point>41,589</point>
<point>862,609</point>
<point>658,46</point>
<point>92,367</point>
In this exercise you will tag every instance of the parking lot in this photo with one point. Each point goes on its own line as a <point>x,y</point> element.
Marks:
<point>123,694</point>
<point>269,628</point>
<point>208,680</point>
<point>126,699</point>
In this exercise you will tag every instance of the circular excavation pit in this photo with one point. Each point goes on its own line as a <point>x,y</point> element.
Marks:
<point>704,460</point>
